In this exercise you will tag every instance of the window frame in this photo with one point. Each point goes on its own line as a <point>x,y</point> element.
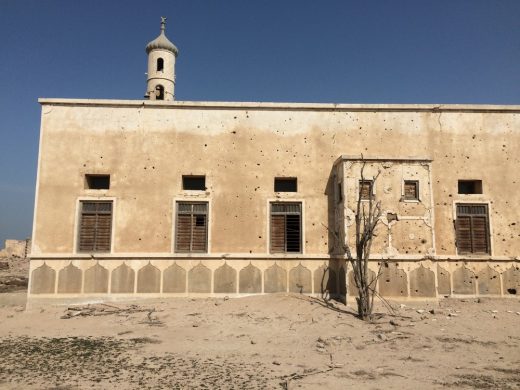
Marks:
<point>289,179</point>
<point>89,176</point>
<point>489,235</point>
<point>159,64</point>
<point>417,191</point>
<point>78,221</point>
<point>175,227</point>
<point>477,185</point>
<point>301,221</point>
<point>183,177</point>
<point>372,190</point>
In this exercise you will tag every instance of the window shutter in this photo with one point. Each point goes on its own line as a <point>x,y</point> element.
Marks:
<point>480,234</point>
<point>277,233</point>
<point>472,229</point>
<point>103,232</point>
<point>285,227</point>
<point>463,227</point>
<point>183,232</point>
<point>87,233</point>
<point>192,227</point>
<point>199,233</point>
<point>95,231</point>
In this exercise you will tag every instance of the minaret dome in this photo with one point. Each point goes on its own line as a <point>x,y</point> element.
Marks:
<point>162,53</point>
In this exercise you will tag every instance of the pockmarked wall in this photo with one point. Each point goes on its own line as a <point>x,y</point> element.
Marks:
<point>146,148</point>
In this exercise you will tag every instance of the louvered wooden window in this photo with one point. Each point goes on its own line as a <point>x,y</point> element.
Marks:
<point>366,190</point>
<point>411,190</point>
<point>192,227</point>
<point>472,229</point>
<point>286,228</point>
<point>95,230</point>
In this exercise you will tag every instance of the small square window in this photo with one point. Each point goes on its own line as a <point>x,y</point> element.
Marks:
<point>411,190</point>
<point>285,184</point>
<point>194,183</point>
<point>470,186</point>
<point>366,189</point>
<point>97,182</point>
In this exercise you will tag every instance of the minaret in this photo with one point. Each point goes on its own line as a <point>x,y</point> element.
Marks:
<point>160,84</point>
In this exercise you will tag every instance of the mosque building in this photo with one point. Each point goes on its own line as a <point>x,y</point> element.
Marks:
<point>157,197</point>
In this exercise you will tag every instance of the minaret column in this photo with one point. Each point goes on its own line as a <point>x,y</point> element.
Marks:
<point>162,53</point>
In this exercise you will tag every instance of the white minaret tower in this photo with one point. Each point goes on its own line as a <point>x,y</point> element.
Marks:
<point>160,84</point>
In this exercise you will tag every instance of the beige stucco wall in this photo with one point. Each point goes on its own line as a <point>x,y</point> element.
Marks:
<point>147,146</point>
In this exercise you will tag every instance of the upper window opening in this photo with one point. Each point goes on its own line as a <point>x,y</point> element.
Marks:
<point>160,64</point>
<point>470,186</point>
<point>366,189</point>
<point>411,190</point>
<point>97,182</point>
<point>159,92</point>
<point>285,184</point>
<point>194,183</point>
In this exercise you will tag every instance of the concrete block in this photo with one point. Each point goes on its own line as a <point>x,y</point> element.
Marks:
<point>422,282</point>
<point>488,282</point>
<point>511,281</point>
<point>275,279</point>
<point>464,281</point>
<point>122,279</point>
<point>174,279</point>
<point>96,279</point>
<point>225,280</point>
<point>149,279</point>
<point>393,281</point>
<point>443,281</point>
<point>199,279</point>
<point>250,280</point>
<point>300,280</point>
<point>69,280</point>
<point>43,279</point>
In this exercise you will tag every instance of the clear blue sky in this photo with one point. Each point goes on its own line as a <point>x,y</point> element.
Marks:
<point>399,51</point>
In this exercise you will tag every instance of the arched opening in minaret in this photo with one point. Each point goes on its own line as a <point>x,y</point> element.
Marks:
<point>160,64</point>
<point>159,92</point>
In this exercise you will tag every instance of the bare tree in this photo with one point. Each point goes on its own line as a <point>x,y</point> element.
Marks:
<point>368,215</point>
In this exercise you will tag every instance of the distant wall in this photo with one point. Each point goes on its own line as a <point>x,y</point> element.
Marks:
<point>18,248</point>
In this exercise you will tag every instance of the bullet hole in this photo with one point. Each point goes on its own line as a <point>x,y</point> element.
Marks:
<point>260,237</point>
<point>511,291</point>
<point>423,241</point>
<point>84,165</point>
<point>234,117</point>
<point>205,145</point>
<point>144,167</point>
<point>153,167</point>
<point>233,132</point>
<point>139,239</point>
<point>101,157</point>
<point>474,136</point>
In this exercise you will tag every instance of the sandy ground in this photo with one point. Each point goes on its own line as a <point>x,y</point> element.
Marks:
<point>260,342</point>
